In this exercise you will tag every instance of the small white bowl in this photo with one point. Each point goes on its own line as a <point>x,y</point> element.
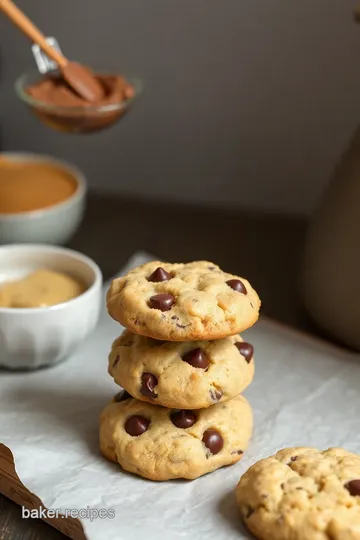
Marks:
<point>53,225</point>
<point>35,337</point>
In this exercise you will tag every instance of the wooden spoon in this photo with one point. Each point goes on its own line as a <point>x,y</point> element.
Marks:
<point>81,79</point>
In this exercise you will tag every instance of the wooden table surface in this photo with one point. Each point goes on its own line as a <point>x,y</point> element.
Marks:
<point>265,249</point>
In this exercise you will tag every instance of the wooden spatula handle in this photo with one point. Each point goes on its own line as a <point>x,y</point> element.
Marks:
<point>30,30</point>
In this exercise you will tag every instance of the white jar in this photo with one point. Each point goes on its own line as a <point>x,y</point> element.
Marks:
<point>331,273</point>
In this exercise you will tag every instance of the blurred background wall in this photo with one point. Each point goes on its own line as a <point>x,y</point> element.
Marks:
<point>246,102</point>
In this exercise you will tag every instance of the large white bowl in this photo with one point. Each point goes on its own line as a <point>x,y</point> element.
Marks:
<point>31,338</point>
<point>53,225</point>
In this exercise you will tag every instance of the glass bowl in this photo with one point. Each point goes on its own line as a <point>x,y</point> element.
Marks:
<point>75,119</point>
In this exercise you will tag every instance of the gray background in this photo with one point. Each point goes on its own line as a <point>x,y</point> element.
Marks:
<point>247,102</point>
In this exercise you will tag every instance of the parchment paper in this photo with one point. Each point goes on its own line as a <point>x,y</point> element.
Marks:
<point>305,392</point>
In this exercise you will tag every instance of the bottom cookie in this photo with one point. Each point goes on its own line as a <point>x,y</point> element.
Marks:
<point>163,444</point>
<point>302,494</point>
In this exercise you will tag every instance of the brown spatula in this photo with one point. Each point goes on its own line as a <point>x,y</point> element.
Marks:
<point>81,79</point>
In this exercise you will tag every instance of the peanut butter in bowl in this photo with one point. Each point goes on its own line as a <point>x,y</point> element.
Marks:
<point>26,186</point>
<point>42,199</point>
<point>50,301</point>
<point>42,288</point>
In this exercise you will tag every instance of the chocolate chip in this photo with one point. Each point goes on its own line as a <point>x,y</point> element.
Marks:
<point>174,318</point>
<point>121,396</point>
<point>159,275</point>
<point>136,425</point>
<point>245,349</point>
<point>116,361</point>
<point>293,458</point>
<point>196,358</point>
<point>211,267</point>
<point>183,419</point>
<point>237,285</point>
<point>237,452</point>
<point>148,383</point>
<point>213,440</point>
<point>353,487</point>
<point>162,301</point>
<point>215,394</point>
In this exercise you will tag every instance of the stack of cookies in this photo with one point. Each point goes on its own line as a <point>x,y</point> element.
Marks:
<point>182,367</point>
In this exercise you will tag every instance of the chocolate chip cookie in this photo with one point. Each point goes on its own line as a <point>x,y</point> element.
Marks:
<point>184,375</point>
<point>162,444</point>
<point>183,302</point>
<point>302,494</point>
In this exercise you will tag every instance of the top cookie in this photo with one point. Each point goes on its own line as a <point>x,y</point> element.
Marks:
<point>303,494</point>
<point>183,302</point>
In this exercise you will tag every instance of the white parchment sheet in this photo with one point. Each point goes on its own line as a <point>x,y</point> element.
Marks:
<point>305,392</point>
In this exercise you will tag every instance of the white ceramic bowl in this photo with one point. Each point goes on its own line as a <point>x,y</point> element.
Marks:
<point>53,225</point>
<point>31,338</point>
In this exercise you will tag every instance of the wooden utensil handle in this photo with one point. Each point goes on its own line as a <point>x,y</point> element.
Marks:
<point>30,30</point>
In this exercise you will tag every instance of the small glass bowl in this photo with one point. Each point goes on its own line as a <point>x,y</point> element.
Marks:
<point>75,119</point>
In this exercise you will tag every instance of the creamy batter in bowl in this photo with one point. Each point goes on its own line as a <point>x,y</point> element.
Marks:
<point>33,337</point>
<point>59,109</point>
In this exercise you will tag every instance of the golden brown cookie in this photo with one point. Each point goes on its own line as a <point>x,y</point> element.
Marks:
<point>302,494</point>
<point>183,375</point>
<point>183,302</point>
<point>162,444</point>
